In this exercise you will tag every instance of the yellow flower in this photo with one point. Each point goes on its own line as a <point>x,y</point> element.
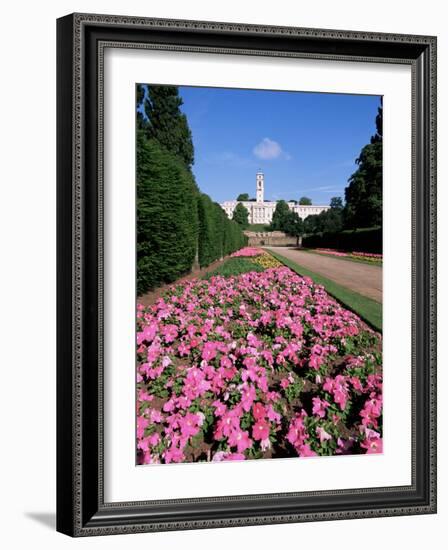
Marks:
<point>267,261</point>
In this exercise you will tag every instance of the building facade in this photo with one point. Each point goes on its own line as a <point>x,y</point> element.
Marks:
<point>261,211</point>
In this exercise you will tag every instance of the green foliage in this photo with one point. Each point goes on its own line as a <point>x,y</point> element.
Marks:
<point>243,197</point>
<point>211,234</point>
<point>336,202</point>
<point>305,201</point>
<point>241,215</point>
<point>233,267</point>
<point>293,224</point>
<point>166,123</point>
<point>280,216</point>
<point>233,237</point>
<point>364,194</point>
<point>328,221</point>
<point>361,240</point>
<point>286,220</point>
<point>167,221</point>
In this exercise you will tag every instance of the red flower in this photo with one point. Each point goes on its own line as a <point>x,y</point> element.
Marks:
<point>260,430</point>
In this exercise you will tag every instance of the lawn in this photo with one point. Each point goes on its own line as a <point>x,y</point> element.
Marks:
<point>367,309</point>
<point>232,267</point>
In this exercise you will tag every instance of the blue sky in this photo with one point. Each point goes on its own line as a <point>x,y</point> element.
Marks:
<point>305,143</point>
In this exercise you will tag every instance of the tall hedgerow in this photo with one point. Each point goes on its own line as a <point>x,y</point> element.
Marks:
<point>167,221</point>
<point>211,225</point>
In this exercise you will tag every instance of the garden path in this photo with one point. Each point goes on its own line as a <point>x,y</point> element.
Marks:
<point>359,277</point>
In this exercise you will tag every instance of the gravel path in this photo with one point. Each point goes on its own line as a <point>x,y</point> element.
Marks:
<point>361,278</point>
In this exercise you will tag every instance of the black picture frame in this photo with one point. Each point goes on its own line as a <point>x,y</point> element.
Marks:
<point>81,510</point>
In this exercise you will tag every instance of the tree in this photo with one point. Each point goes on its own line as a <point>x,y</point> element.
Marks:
<point>312,224</point>
<point>330,221</point>
<point>305,201</point>
<point>293,224</point>
<point>364,193</point>
<point>241,215</point>
<point>336,202</point>
<point>165,123</point>
<point>243,197</point>
<point>280,216</point>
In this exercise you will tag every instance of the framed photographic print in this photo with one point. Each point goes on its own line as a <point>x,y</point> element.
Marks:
<point>246,274</point>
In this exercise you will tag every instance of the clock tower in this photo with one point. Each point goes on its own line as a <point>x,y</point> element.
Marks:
<point>260,186</point>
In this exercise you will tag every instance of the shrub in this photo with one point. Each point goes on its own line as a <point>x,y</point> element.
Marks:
<point>167,221</point>
<point>362,240</point>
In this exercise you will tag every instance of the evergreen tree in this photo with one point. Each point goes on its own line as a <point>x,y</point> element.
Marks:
<point>243,197</point>
<point>305,201</point>
<point>280,216</point>
<point>364,194</point>
<point>336,202</point>
<point>293,224</point>
<point>241,215</point>
<point>166,123</point>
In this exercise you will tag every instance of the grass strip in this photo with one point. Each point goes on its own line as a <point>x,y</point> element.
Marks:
<point>233,267</point>
<point>343,258</point>
<point>369,310</point>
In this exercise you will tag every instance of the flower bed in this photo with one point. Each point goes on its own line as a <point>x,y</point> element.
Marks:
<point>266,261</point>
<point>331,252</point>
<point>247,252</point>
<point>260,365</point>
<point>365,256</point>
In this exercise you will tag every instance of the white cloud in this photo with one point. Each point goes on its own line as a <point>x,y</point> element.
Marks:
<point>269,149</point>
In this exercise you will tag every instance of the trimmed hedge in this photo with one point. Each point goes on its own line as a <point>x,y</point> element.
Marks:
<point>167,219</point>
<point>176,224</point>
<point>210,241</point>
<point>358,240</point>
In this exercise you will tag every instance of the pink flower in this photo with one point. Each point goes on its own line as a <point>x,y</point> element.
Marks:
<point>260,430</point>
<point>258,411</point>
<point>322,434</point>
<point>305,450</point>
<point>374,446</point>
<point>209,351</point>
<point>169,332</point>
<point>240,439</point>
<point>229,422</point>
<point>173,454</point>
<point>320,406</point>
<point>221,345</point>
<point>189,424</point>
<point>220,408</point>
<point>142,423</point>
<point>148,333</point>
<point>248,396</point>
<point>155,416</point>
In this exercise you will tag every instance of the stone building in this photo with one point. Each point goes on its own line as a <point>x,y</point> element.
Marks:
<point>261,211</point>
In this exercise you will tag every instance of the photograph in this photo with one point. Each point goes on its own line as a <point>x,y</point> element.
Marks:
<point>259,274</point>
